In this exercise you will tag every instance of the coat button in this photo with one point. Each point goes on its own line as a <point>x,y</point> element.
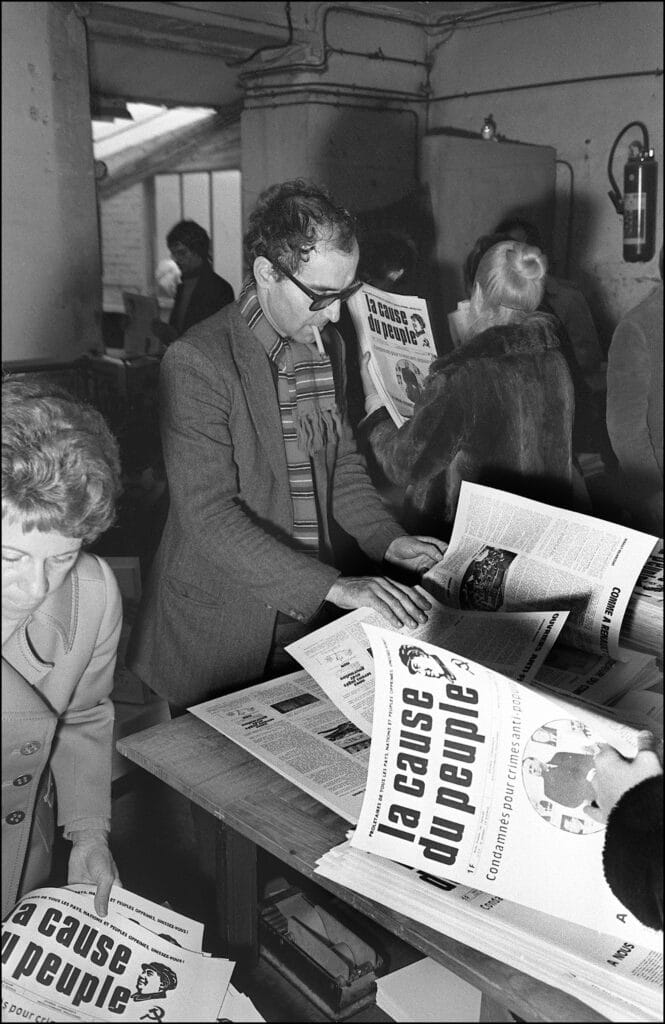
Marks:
<point>23,780</point>
<point>31,747</point>
<point>15,818</point>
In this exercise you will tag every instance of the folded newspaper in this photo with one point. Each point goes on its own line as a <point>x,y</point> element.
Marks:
<point>484,781</point>
<point>619,978</point>
<point>396,332</point>
<point>61,962</point>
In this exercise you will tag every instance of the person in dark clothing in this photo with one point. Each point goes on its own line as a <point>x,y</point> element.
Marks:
<point>565,777</point>
<point>201,291</point>
<point>587,425</point>
<point>496,411</point>
<point>563,298</point>
<point>629,797</point>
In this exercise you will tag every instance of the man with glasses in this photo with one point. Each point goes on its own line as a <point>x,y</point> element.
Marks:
<point>260,460</point>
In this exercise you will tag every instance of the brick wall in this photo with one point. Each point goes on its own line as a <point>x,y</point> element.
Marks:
<point>125,246</point>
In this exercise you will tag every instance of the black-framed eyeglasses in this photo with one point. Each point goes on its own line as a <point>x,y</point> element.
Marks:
<point>319,299</point>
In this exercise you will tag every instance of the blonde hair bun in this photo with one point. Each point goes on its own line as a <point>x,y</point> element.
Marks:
<point>531,263</point>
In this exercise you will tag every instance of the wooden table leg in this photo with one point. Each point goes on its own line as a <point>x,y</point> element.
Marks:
<point>237,895</point>
<point>230,861</point>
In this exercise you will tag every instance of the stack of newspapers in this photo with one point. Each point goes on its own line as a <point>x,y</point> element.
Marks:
<point>620,979</point>
<point>141,962</point>
<point>461,751</point>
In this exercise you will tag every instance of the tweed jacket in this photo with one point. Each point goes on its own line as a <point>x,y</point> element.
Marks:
<point>635,409</point>
<point>496,411</point>
<point>226,563</point>
<point>57,722</point>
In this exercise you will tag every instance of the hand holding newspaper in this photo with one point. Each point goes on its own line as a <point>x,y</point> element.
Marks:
<point>508,553</point>
<point>481,780</point>
<point>142,962</point>
<point>340,659</point>
<point>396,332</point>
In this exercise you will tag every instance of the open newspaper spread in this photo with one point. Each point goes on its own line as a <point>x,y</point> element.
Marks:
<point>61,962</point>
<point>290,724</point>
<point>313,728</point>
<point>508,553</point>
<point>395,330</point>
<point>339,657</point>
<point>482,781</point>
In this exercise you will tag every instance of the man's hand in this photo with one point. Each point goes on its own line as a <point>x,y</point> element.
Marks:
<point>614,775</point>
<point>373,400</point>
<point>416,553</point>
<point>400,605</point>
<point>91,861</point>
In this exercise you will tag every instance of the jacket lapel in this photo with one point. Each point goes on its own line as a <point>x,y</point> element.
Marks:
<point>19,697</point>
<point>259,389</point>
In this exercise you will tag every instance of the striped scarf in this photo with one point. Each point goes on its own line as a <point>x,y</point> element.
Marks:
<point>308,411</point>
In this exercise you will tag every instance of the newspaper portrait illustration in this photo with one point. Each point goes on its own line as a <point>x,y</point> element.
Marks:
<point>419,329</point>
<point>155,981</point>
<point>420,662</point>
<point>557,766</point>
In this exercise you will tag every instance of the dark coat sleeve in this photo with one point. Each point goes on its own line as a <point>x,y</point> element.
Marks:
<point>497,411</point>
<point>211,294</point>
<point>633,851</point>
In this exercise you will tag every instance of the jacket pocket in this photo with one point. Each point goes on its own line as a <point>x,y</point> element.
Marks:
<point>183,591</point>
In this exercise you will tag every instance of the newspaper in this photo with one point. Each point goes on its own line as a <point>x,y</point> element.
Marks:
<point>340,659</point>
<point>620,978</point>
<point>396,332</point>
<point>509,553</point>
<point>290,724</point>
<point>650,580</point>
<point>483,781</point>
<point>598,678</point>
<point>61,962</point>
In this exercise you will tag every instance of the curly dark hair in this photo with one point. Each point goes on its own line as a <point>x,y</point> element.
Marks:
<point>60,461</point>
<point>290,218</point>
<point>191,235</point>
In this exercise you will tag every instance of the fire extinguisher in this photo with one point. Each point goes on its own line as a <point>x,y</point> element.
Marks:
<point>637,206</point>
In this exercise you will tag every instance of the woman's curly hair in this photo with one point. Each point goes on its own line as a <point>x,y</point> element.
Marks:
<point>60,461</point>
<point>290,218</point>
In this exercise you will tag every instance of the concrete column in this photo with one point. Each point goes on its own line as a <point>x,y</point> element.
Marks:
<point>51,273</point>
<point>363,150</point>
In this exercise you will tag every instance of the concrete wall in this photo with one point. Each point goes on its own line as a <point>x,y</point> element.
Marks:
<point>314,122</point>
<point>367,158</point>
<point>51,272</point>
<point>581,120</point>
<point>336,113</point>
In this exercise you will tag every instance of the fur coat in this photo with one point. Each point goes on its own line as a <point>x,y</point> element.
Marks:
<point>497,411</point>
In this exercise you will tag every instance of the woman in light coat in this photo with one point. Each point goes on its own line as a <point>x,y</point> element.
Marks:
<point>61,619</point>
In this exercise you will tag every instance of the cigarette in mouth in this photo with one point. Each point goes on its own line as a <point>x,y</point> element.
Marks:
<point>317,338</point>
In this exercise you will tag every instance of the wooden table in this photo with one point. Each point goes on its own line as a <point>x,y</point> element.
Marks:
<point>252,806</point>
